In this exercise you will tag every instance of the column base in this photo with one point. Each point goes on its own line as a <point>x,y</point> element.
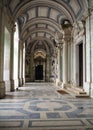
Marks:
<point>12,85</point>
<point>91,91</point>
<point>23,81</point>
<point>20,82</point>
<point>47,80</point>
<point>88,88</point>
<point>8,85</point>
<point>65,85</point>
<point>58,82</point>
<point>2,89</point>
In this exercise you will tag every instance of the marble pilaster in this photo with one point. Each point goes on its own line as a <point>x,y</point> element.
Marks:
<point>67,28</point>
<point>59,80</point>
<point>20,63</point>
<point>65,64</point>
<point>44,70</point>
<point>2,82</point>
<point>58,39</point>
<point>23,64</point>
<point>88,86</point>
<point>47,68</point>
<point>12,60</point>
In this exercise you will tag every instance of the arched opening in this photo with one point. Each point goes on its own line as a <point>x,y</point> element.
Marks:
<point>38,52</point>
<point>39,72</point>
<point>40,63</point>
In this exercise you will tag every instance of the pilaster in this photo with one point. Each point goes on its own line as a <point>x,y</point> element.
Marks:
<point>59,78</point>
<point>12,59</point>
<point>65,63</point>
<point>47,68</point>
<point>20,63</point>
<point>67,28</point>
<point>31,69</point>
<point>2,82</point>
<point>44,71</point>
<point>58,39</point>
<point>2,89</point>
<point>23,63</point>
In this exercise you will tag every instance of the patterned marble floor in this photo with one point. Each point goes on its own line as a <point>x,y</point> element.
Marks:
<point>38,106</point>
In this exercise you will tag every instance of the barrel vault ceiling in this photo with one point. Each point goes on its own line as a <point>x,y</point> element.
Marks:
<point>40,20</point>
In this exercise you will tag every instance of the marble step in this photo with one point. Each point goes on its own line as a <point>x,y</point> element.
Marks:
<point>75,91</point>
<point>78,89</point>
<point>78,92</point>
<point>82,92</point>
<point>82,96</point>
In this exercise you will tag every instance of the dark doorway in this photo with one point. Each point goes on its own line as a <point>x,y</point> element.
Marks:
<point>81,64</point>
<point>39,72</point>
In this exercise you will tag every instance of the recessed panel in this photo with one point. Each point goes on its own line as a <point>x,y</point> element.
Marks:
<point>53,14</point>
<point>48,36</point>
<point>42,11</point>
<point>40,34</point>
<point>33,35</point>
<point>75,6</point>
<point>51,28</point>
<point>31,13</point>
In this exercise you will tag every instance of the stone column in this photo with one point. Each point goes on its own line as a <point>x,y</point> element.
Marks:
<point>23,64</point>
<point>2,83</point>
<point>66,41</point>
<point>32,67</point>
<point>47,68</point>
<point>55,64</point>
<point>72,63</point>
<point>20,63</point>
<point>44,70</point>
<point>91,56</point>
<point>65,63</point>
<point>84,49</point>
<point>58,39</point>
<point>69,63</point>
<point>12,59</point>
<point>59,64</point>
<point>89,31</point>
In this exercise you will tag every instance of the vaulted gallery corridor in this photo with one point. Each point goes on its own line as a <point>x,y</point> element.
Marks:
<point>46,64</point>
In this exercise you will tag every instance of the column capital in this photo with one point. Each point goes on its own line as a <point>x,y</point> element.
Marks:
<point>14,28</point>
<point>84,25</point>
<point>67,29</point>
<point>60,45</point>
<point>59,37</point>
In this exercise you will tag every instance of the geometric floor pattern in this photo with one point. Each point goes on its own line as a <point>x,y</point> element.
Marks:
<point>38,106</point>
